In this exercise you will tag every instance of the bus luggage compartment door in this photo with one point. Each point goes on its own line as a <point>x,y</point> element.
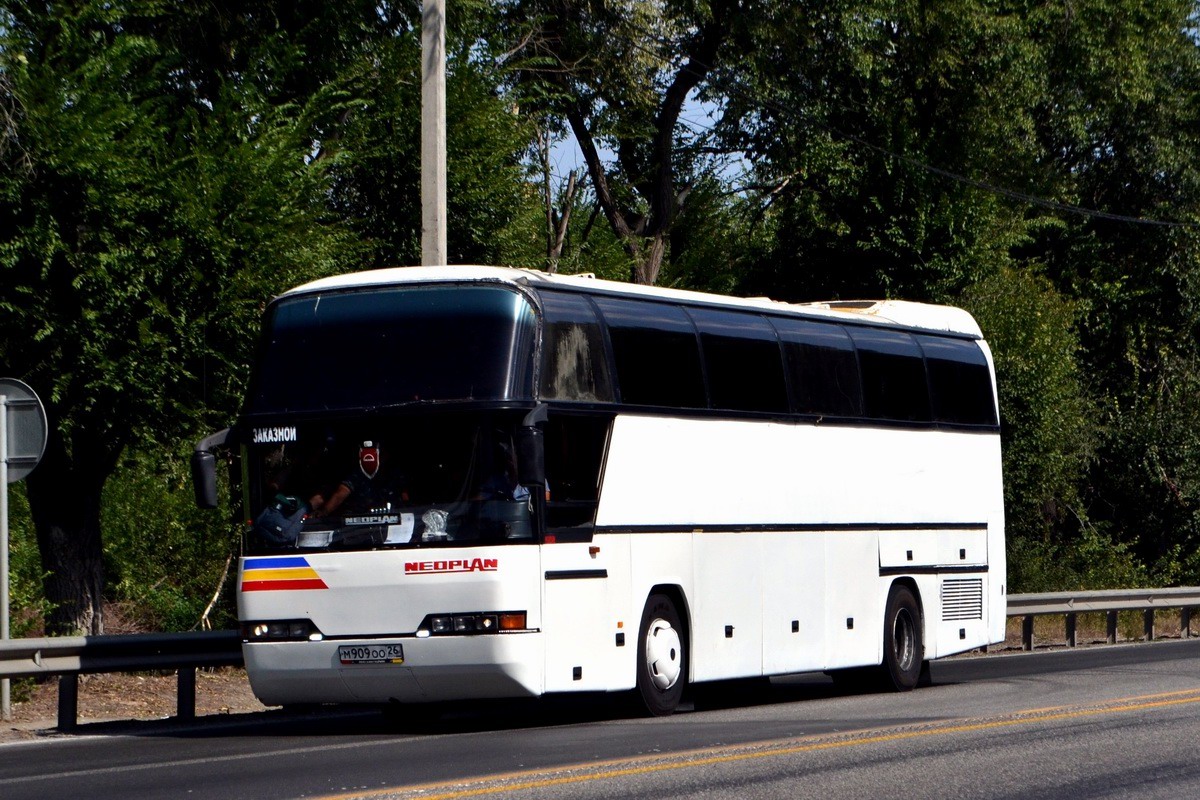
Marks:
<point>575,618</point>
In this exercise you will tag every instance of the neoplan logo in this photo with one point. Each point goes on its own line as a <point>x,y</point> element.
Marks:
<point>451,565</point>
<point>383,519</point>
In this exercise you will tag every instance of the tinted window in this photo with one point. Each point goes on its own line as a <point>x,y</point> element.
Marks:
<point>657,359</point>
<point>742,361</point>
<point>574,364</point>
<point>893,375</point>
<point>822,367</point>
<point>574,454</point>
<point>357,349</point>
<point>389,480</point>
<point>959,381</point>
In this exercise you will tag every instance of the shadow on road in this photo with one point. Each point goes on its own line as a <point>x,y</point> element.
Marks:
<point>572,710</point>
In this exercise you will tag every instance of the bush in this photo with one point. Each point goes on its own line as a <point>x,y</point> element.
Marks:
<point>165,558</point>
<point>1092,560</point>
<point>1046,419</point>
<point>27,603</point>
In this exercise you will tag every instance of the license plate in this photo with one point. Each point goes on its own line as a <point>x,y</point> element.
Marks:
<point>371,654</point>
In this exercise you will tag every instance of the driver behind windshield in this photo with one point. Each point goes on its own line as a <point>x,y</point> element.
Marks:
<point>376,486</point>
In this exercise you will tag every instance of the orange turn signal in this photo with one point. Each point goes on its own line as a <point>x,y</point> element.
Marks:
<point>512,621</point>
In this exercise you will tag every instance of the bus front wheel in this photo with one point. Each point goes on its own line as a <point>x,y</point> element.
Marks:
<point>662,665</point>
<point>903,644</point>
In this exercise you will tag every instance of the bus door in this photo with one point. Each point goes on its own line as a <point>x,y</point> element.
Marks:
<point>583,576</point>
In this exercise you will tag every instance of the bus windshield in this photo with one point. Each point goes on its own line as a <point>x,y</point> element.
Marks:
<point>420,480</point>
<point>390,346</point>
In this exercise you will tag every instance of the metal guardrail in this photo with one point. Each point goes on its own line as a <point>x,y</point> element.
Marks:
<point>71,656</point>
<point>1107,601</point>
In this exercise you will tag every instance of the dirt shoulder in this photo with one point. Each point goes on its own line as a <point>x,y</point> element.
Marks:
<point>124,697</point>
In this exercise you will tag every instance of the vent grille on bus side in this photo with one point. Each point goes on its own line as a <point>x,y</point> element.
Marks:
<point>962,598</point>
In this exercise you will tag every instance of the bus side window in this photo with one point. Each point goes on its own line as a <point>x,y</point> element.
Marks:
<point>821,366</point>
<point>656,353</point>
<point>575,446</point>
<point>959,381</point>
<point>574,363</point>
<point>741,355</point>
<point>893,375</point>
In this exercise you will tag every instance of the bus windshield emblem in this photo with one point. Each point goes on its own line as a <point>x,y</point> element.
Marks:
<point>368,459</point>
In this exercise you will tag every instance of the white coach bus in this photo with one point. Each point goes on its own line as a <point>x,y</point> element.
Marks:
<point>468,482</point>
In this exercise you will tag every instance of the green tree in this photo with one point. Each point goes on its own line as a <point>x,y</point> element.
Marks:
<point>1046,419</point>
<point>374,161</point>
<point>1120,126</point>
<point>922,150</point>
<point>618,75</point>
<point>717,237</point>
<point>165,170</point>
<point>855,115</point>
<point>165,560</point>
<point>148,203</point>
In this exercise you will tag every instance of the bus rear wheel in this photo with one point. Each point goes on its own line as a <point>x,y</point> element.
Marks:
<point>903,644</point>
<point>662,661</point>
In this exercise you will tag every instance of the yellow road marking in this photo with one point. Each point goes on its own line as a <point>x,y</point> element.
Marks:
<point>645,765</point>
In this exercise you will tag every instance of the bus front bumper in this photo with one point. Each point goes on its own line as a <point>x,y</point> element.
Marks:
<point>434,668</point>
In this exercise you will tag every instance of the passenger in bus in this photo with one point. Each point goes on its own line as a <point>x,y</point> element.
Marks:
<point>279,523</point>
<point>502,483</point>
<point>376,486</point>
<point>506,505</point>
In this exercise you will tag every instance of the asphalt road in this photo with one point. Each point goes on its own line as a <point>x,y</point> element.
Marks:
<point>1100,722</point>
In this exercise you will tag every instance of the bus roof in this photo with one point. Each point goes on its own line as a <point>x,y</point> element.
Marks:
<point>890,312</point>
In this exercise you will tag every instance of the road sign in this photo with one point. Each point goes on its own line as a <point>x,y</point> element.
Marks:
<point>26,427</point>
<point>22,443</point>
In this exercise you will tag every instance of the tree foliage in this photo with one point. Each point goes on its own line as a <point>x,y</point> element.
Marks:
<point>1038,165</point>
<point>147,207</point>
<point>845,107</point>
<point>617,75</point>
<point>1046,418</point>
<point>166,168</point>
<point>375,164</point>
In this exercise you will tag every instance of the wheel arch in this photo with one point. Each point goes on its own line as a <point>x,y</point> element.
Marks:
<point>675,593</point>
<point>911,584</point>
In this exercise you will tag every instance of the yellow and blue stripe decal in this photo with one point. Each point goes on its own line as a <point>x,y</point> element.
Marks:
<point>283,572</point>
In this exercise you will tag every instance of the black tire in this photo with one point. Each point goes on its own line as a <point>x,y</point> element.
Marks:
<point>662,657</point>
<point>903,642</point>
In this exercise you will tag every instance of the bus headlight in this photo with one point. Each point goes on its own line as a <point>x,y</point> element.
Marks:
<point>472,624</point>
<point>286,630</point>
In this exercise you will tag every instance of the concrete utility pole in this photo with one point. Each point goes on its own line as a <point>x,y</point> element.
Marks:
<point>5,686</point>
<point>433,133</point>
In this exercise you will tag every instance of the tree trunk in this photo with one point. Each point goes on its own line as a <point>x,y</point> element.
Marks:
<point>64,501</point>
<point>643,237</point>
<point>650,258</point>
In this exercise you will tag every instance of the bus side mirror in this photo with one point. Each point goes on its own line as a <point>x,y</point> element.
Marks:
<point>531,450</point>
<point>204,479</point>
<point>531,457</point>
<point>204,469</point>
